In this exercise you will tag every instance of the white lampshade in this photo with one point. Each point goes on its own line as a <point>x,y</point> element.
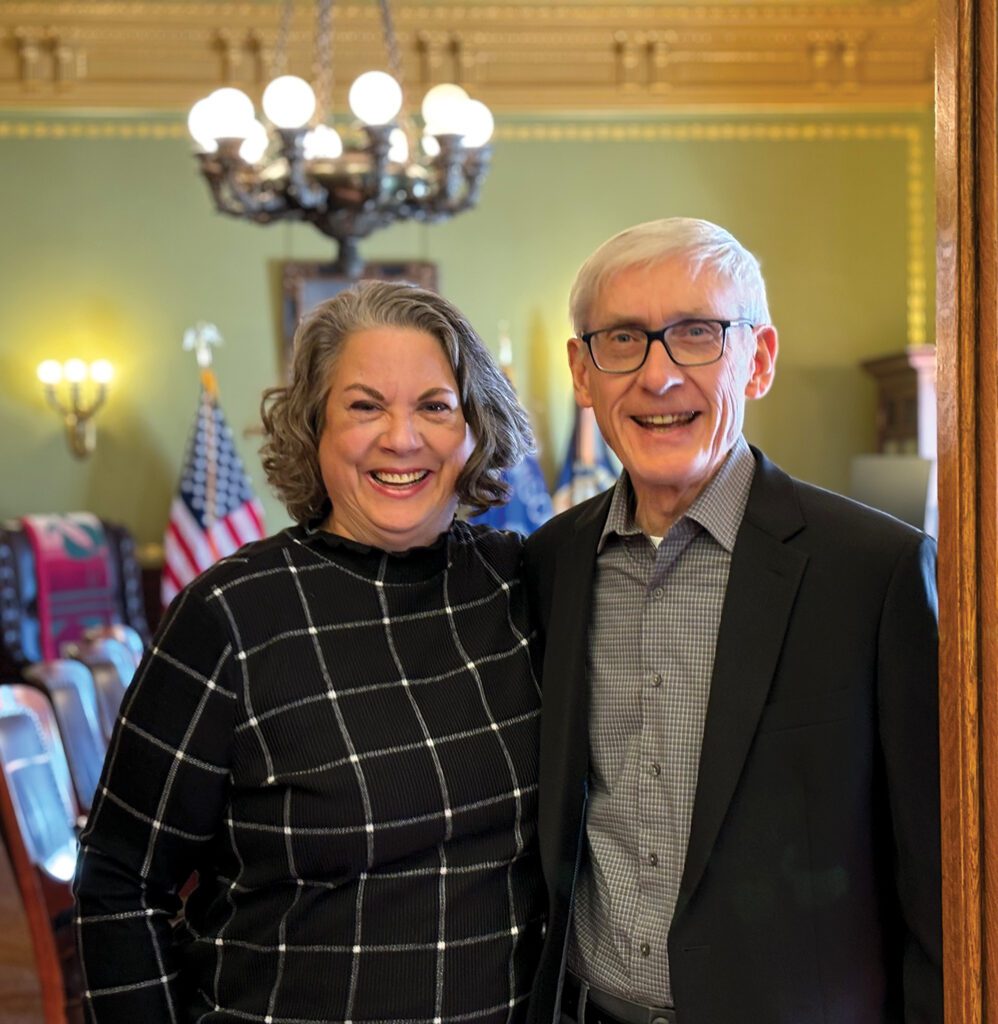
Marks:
<point>289,101</point>
<point>229,115</point>
<point>398,146</point>
<point>255,144</point>
<point>443,108</point>
<point>322,143</point>
<point>75,371</point>
<point>50,371</point>
<point>477,124</point>
<point>199,124</point>
<point>375,97</point>
<point>101,371</point>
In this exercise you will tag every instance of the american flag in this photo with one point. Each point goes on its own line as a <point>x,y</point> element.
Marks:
<point>215,511</point>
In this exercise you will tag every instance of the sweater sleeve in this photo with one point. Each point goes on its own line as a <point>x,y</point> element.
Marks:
<point>160,801</point>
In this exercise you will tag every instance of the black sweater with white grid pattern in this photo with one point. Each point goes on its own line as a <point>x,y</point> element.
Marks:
<point>342,743</point>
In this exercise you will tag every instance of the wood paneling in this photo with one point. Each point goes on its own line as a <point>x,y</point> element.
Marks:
<point>967,328</point>
<point>20,993</point>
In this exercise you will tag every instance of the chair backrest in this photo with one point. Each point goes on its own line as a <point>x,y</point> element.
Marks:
<point>38,793</point>
<point>70,688</point>
<point>21,640</point>
<point>112,666</point>
<point>125,635</point>
<point>38,833</point>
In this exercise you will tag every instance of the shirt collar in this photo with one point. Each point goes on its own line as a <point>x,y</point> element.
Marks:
<point>719,508</point>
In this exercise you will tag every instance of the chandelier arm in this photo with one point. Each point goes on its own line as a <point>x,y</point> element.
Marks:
<point>300,188</point>
<point>227,176</point>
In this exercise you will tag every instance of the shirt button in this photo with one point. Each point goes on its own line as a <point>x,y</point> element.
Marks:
<point>656,768</point>
<point>657,679</point>
<point>645,949</point>
<point>653,859</point>
<point>658,593</point>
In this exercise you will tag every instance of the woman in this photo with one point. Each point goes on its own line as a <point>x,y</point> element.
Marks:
<point>336,727</point>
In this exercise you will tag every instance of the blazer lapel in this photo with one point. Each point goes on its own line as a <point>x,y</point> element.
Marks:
<point>565,720</point>
<point>762,586</point>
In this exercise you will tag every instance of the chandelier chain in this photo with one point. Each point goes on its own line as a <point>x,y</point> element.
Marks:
<point>391,43</point>
<point>280,62</point>
<point>323,67</point>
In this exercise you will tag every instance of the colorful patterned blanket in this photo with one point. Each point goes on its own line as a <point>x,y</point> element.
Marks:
<point>75,577</point>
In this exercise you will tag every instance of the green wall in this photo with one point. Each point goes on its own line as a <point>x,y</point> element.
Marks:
<point>110,248</point>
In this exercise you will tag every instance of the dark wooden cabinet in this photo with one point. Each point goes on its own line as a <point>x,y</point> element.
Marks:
<point>906,401</point>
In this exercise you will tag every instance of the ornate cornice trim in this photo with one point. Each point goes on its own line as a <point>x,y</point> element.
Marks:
<point>525,58</point>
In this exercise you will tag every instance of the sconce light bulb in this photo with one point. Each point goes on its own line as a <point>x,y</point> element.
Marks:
<point>430,145</point>
<point>375,97</point>
<point>101,371</point>
<point>75,371</point>
<point>442,109</point>
<point>50,372</point>
<point>230,114</point>
<point>289,101</point>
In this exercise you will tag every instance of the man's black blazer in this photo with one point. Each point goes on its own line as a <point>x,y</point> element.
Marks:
<point>811,889</point>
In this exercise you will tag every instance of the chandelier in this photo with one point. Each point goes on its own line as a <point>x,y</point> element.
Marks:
<point>386,167</point>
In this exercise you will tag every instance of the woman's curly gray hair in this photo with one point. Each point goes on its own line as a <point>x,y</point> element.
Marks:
<point>294,415</point>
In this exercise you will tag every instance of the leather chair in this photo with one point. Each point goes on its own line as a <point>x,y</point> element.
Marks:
<point>69,687</point>
<point>37,828</point>
<point>112,666</point>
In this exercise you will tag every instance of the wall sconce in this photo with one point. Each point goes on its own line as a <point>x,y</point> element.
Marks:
<point>76,391</point>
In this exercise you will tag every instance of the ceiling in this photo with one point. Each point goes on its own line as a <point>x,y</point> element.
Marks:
<point>528,58</point>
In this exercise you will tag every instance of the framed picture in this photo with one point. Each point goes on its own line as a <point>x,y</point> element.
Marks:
<point>306,283</point>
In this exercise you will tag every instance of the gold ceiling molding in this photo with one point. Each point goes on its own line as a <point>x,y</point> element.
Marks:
<point>910,135</point>
<point>519,58</point>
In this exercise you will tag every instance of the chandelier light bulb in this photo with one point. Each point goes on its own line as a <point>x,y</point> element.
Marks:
<point>75,371</point>
<point>289,102</point>
<point>101,371</point>
<point>375,97</point>
<point>430,145</point>
<point>443,109</point>
<point>322,143</point>
<point>478,124</point>
<point>199,125</point>
<point>255,144</point>
<point>230,114</point>
<point>398,146</point>
<point>50,372</point>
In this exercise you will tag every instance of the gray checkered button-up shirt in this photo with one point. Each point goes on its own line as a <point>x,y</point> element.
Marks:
<point>655,618</point>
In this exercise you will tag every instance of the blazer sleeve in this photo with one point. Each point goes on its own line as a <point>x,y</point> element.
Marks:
<point>908,698</point>
<point>161,801</point>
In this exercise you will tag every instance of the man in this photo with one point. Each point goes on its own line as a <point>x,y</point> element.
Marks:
<point>739,809</point>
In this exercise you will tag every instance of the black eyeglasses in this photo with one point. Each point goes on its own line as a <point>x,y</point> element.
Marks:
<point>688,342</point>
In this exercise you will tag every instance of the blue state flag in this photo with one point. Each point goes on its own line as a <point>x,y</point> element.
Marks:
<point>529,505</point>
<point>590,467</point>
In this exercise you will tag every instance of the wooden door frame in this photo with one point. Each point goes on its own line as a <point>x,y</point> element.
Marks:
<point>967,329</point>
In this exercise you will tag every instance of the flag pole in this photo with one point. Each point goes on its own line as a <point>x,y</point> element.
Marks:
<point>200,338</point>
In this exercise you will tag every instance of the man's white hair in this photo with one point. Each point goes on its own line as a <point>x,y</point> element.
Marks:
<point>701,243</point>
